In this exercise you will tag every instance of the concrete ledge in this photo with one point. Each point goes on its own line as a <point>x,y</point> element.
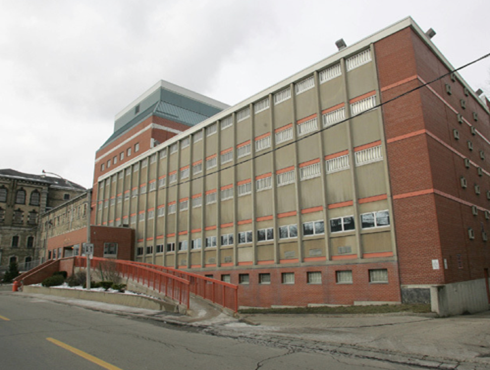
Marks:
<point>112,298</point>
<point>374,303</point>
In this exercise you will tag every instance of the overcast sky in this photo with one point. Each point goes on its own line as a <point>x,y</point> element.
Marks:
<point>68,67</point>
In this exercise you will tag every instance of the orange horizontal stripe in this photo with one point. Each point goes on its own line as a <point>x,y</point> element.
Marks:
<point>170,235</point>
<point>313,161</point>
<point>335,107</point>
<point>228,264</point>
<point>299,122</point>
<point>133,214</point>
<point>125,217</point>
<point>244,182</point>
<point>244,222</point>
<point>184,168</point>
<point>271,262</point>
<point>195,266</point>
<point>161,206</point>
<point>197,162</point>
<point>344,257</point>
<point>149,239</point>
<point>264,218</point>
<point>126,191</point>
<point>262,136</point>
<point>336,155</point>
<point>313,259</point>
<point>170,203</point>
<point>183,232</point>
<point>226,187</point>
<point>197,196</point>
<point>287,169</point>
<point>283,128</point>
<point>401,82</point>
<point>311,210</point>
<point>269,174</point>
<point>113,197</point>
<point>208,228</point>
<point>377,255</point>
<point>211,156</point>
<point>226,151</point>
<point>118,219</point>
<point>183,200</point>
<point>160,237</point>
<point>243,144</point>
<point>286,214</point>
<point>292,260</point>
<point>140,240</point>
<point>413,194</point>
<point>135,188</point>
<point>211,265</point>
<point>363,96</point>
<point>121,193</point>
<point>143,185</point>
<point>340,204</point>
<point>152,181</point>
<point>372,199</point>
<point>366,146</point>
<point>172,173</point>
<point>195,230</point>
<point>111,221</point>
<point>150,209</point>
<point>245,263</point>
<point>229,224</point>
<point>406,136</point>
<point>210,191</point>
<point>161,177</point>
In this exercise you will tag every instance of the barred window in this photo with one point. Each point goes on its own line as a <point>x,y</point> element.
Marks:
<point>307,126</point>
<point>211,129</point>
<point>184,205</point>
<point>161,212</point>
<point>244,150</point>
<point>282,95</point>
<point>284,135</point>
<point>226,122</point>
<point>363,105</point>
<point>211,198</point>
<point>243,114</point>
<point>244,189</point>
<point>184,173</point>
<point>161,182</point>
<point>344,277</point>
<point>310,172</point>
<point>369,155</point>
<point>306,84</point>
<point>134,193</point>
<point>358,60</point>
<point>262,143</point>
<point>265,278</point>
<point>133,219</point>
<point>172,177</point>
<point>314,277</point>
<point>285,178</point>
<point>153,186</point>
<point>141,216</point>
<point>287,277</point>
<point>330,73</point>
<point>227,157</point>
<point>143,189</point>
<point>378,276</point>
<point>151,214</point>
<point>197,168</point>
<point>3,194</point>
<point>211,163</point>
<point>263,183</point>
<point>227,193</point>
<point>333,117</point>
<point>337,164</point>
<point>197,202</point>
<point>261,105</point>
<point>172,208</point>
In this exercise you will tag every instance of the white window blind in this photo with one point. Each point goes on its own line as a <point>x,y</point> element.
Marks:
<point>330,73</point>
<point>284,135</point>
<point>310,172</point>
<point>358,60</point>
<point>261,105</point>
<point>226,122</point>
<point>282,95</point>
<point>307,126</point>
<point>304,85</point>
<point>244,150</point>
<point>263,143</point>
<point>337,164</point>
<point>263,184</point>
<point>244,189</point>
<point>243,114</point>
<point>369,155</point>
<point>285,178</point>
<point>333,117</point>
<point>363,105</point>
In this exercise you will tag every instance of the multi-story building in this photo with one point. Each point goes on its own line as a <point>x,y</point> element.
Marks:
<point>334,186</point>
<point>23,198</point>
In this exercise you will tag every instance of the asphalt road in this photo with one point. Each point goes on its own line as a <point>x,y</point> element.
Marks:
<point>40,334</point>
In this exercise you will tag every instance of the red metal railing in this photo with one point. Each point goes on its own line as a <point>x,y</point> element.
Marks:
<point>219,292</point>
<point>171,285</point>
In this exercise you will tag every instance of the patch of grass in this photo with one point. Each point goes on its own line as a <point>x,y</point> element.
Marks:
<point>374,309</point>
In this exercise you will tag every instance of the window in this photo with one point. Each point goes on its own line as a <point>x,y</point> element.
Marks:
<point>109,163</point>
<point>20,197</point>
<point>161,182</point>
<point>285,178</point>
<point>183,245</point>
<point>102,167</point>
<point>227,239</point>
<point>161,211</point>
<point>375,219</point>
<point>32,218</point>
<point>136,147</point>
<point>128,152</point>
<point>243,279</point>
<point>287,232</point>
<point>133,219</point>
<point>314,277</point>
<point>153,186</point>
<point>149,249</point>
<point>287,277</point>
<point>378,276</point>
<point>185,143</point>
<point>211,198</point>
<point>265,234</point>
<point>262,143</point>
<point>211,129</point>
<point>307,126</point>
<point>225,278</point>
<point>18,216</point>
<point>369,155</point>
<point>172,177</point>
<point>284,135</point>
<point>144,163</point>
<point>243,114</point>
<point>330,73</point>
<point>265,279</point>
<point>227,157</point>
<point>306,84</point>
<point>143,189</point>
<point>172,208</point>
<point>313,228</point>
<point>244,189</point>
<point>153,158</point>
<point>121,156</point>
<point>344,277</point>
<point>245,237</point>
<point>211,163</point>
<point>136,167</point>
<point>227,193</point>
<point>3,194</point>
<point>363,105</point>
<point>197,202</point>
<point>184,205</point>
<point>211,241</point>
<point>114,160</point>
<point>2,214</point>
<point>170,247</point>
<point>282,95</point>
<point>134,192</point>
<point>173,148</point>
<point>243,150</point>
<point>342,224</point>
<point>197,136</point>
<point>196,244</point>
<point>141,216</point>
<point>15,241</point>
<point>151,214</point>
<point>30,242</point>
<point>184,173</point>
<point>110,249</point>
<point>263,183</point>
<point>35,198</point>
<point>310,172</point>
<point>196,168</point>
<point>358,60</point>
<point>159,248</point>
<point>163,153</point>
<point>337,164</point>
<point>226,122</point>
<point>261,105</point>
<point>66,196</point>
